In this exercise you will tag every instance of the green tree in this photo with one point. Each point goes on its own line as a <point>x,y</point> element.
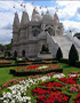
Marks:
<point>59,54</point>
<point>73,55</point>
<point>15,54</point>
<point>23,53</point>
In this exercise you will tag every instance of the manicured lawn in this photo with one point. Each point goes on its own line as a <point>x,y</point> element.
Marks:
<point>5,75</point>
<point>67,68</point>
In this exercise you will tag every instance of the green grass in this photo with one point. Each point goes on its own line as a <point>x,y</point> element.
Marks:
<point>67,68</point>
<point>5,75</point>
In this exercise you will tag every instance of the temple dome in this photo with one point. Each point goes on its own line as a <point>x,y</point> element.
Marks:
<point>47,17</point>
<point>37,17</point>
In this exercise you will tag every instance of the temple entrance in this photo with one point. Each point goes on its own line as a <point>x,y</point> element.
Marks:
<point>44,49</point>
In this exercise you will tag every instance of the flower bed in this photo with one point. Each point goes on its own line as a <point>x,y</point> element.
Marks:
<point>74,88</point>
<point>9,83</point>
<point>77,98</point>
<point>36,69</point>
<point>5,61</point>
<point>49,95</point>
<point>42,91</point>
<point>71,80</point>
<point>17,93</point>
<point>73,74</point>
<point>52,84</point>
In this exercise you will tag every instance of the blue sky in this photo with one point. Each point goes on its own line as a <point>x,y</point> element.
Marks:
<point>68,13</point>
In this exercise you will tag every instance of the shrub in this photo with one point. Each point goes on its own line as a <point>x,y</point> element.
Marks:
<point>73,55</point>
<point>23,53</point>
<point>77,64</point>
<point>63,60</point>
<point>59,54</point>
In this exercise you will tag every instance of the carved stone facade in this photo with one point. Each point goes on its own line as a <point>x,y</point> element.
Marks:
<point>30,35</point>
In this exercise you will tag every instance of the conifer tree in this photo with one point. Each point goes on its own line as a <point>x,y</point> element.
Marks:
<point>59,54</point>
<point>73,55</point>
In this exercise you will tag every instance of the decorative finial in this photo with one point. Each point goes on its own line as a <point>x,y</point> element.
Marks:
<point>14,9</point>
<point>56,10</point>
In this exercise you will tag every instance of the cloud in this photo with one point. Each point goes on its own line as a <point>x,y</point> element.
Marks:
<point>5,36</point>
<point>67,9</point>
<point>71,25</point>
<point>8,27</point>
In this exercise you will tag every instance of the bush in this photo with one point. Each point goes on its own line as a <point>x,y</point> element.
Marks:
<point>59,54</point>
<point>77,64</point>
<point>62,60</point>
<point>73,55</point>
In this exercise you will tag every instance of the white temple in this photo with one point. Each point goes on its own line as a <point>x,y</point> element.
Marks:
<point>30,35</point>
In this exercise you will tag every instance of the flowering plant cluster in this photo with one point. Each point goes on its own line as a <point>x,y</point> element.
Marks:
<point>70,80</point>
<point>52,84</point>
<point>9,83</point>
<point>46,92</point>
<point>5,61</point>
<point>17,92</point>
<point>73,74</point>
<point>50,95</point>
<point>77,98</point>
<point>37,68</point>
<point>74,88</point>
<point>59,75</point>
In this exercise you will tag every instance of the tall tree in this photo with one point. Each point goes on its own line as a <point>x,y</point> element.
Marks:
<point>73,55</point>
<point>59,54</point>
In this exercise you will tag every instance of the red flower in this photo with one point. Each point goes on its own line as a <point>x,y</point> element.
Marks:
<point>70,80</point>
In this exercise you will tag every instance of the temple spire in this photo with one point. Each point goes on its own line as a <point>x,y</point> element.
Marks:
<point>16,21</point>
<point>25,18</point>
<point>56,17</point>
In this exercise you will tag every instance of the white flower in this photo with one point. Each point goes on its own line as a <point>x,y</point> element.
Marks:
<point>61,75</point>
<point>42,67</point>
<point>13,101</point>
<point>5,101</point>
<point>28,98</point>
<point>72,75</point>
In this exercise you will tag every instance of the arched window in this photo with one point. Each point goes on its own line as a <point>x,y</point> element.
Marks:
<point>23,53</point>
